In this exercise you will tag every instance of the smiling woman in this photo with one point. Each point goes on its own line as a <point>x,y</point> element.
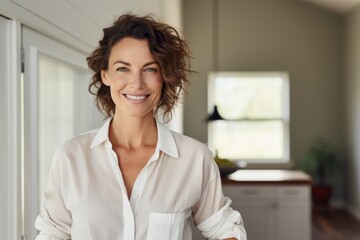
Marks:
<point>133,178</point>
<point>134,78</point>
<point>170,52</point>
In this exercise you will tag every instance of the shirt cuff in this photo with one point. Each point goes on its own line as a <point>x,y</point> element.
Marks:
<point>225,223</point>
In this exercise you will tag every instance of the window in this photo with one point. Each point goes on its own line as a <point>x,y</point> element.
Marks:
<point>255,106</point>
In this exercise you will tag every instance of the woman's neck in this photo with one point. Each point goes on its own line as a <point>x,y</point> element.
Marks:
<point>133,133</point>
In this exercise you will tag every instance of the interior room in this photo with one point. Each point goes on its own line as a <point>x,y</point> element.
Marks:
<point>310,48</point>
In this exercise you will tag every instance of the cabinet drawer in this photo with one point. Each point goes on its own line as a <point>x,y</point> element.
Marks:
<point>293,192</point>
<point>246,192</point>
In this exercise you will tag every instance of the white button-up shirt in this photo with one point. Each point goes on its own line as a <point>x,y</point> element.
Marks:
<point>86,198</point>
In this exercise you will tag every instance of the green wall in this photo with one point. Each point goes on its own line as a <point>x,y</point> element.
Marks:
<point>352,98</point>
<point>275,35</point>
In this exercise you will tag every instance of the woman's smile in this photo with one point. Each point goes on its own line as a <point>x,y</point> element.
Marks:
<point>136,98</point>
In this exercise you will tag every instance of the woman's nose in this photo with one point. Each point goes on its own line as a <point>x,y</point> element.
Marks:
<point>136,81</point>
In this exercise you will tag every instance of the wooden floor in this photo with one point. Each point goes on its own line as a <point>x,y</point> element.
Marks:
<point>334,225</point>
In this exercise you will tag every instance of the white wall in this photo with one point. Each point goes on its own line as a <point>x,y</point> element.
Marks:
<point>352,99</point>
<point>172,15</point>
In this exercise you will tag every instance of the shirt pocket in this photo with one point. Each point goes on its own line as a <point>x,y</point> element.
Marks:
<point>166,226</point>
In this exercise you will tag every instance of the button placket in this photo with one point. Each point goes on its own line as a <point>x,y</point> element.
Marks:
<point>129,224</point>
<point>138,188</point>
<point>141,180</point>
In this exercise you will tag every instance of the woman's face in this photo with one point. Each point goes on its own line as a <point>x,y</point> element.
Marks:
<point>134,78</point>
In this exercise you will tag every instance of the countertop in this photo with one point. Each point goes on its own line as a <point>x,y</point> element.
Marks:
<point>245,176</point>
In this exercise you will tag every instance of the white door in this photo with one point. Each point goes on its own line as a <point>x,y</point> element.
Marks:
<point>57,106</point>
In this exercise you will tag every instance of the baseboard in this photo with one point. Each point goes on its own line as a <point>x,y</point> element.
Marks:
<point>354,211</point>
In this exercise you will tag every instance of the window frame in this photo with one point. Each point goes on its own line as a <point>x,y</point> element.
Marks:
<point>284,162</point>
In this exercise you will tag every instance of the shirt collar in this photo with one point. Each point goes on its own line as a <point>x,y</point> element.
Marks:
<point>102,134</point>
<point>166,142</point>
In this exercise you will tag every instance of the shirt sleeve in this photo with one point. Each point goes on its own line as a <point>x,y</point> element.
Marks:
<point>213,215</point>
<point>225,223</point>
<point>54,221</point>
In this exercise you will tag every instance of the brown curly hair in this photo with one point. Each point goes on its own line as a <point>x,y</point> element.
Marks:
<point>167,47</point>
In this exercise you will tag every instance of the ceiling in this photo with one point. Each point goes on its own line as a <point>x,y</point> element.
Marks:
<point>339,6</point>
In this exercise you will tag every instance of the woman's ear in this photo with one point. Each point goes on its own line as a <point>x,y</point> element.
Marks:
<point>105,77</point>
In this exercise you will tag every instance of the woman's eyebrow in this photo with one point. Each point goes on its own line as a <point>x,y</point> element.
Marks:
<point>123,62</point>
<point>128,64</point>
<point>149,63</point>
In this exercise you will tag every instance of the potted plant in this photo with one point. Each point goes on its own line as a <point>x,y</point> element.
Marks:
<point>320,162</point>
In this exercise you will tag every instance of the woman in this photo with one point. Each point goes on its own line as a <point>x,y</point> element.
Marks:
<point>133,178</point>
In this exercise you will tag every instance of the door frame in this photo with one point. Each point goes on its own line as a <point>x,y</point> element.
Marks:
<point>34,44</point>
<point>12,119</point>
<point>15,129</point>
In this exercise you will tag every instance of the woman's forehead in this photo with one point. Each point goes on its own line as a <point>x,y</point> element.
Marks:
<point>131,49</point>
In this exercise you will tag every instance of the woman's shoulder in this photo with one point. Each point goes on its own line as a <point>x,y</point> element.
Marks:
<point>195,153</point>
<point>189,143</point>
<point>179,137</point>
<point>81,141</point>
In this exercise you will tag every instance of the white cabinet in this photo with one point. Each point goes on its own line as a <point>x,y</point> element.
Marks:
<point>274,204</point>
<point>293,213</point>
<point>273,212</point>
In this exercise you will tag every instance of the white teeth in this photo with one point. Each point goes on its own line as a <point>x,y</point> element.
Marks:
<point>136,97</point>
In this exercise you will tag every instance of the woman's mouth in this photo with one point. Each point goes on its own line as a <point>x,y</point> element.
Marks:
<point>136,97</point>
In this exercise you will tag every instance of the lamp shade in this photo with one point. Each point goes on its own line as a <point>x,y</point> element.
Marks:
<point>214,116</point>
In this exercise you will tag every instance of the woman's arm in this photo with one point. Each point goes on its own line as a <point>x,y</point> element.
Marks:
<point>213,215</point>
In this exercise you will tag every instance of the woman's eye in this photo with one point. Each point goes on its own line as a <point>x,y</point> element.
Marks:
<point>122,69</point>
<point>150,70</point>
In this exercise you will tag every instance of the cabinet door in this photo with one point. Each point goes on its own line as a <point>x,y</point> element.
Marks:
<point>258,216</point>
<point>256,207</point>
<point>293,213</point>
